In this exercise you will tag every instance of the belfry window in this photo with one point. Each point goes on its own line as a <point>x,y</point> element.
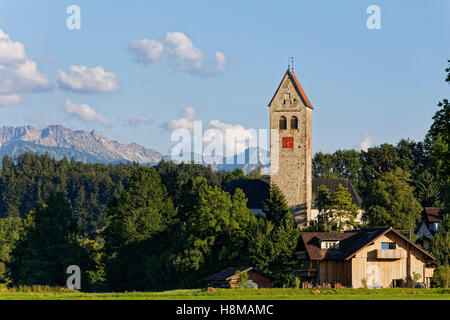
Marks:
<point>294,122</point>
<point>283,123</point>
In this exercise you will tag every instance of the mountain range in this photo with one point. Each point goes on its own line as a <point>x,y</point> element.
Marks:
<point>59,141</point>
<point>91,147</point>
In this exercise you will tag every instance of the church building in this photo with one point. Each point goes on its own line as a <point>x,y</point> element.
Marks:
<point>290,146</point>
<point>290,155</point>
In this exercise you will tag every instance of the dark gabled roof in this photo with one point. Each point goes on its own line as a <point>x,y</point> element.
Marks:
<point>432,214</point>
<point>298,88</point>
<point>228,273</point>
<point>332,184</point>
<point>423,232</point>
<point>255,190</point>
<point>350,243</point>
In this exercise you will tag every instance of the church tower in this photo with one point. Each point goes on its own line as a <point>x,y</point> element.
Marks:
<point>290,146</point>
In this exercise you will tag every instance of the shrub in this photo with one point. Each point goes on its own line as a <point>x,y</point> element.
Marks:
<point>441,277</point>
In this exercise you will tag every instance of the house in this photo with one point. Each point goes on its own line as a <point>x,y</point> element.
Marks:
<point>428,226</point>
<point>228,278</point>
<point>431,218</point>
<point>256,191</point>
<point>376,258</point>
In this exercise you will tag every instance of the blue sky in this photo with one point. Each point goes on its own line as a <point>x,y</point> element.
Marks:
<point>378,85</point>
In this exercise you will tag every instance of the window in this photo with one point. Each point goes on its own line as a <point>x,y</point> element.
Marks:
<point>387,246</point>
<point>283,123</point>
<point>294,122</point>
<point>330,245</point>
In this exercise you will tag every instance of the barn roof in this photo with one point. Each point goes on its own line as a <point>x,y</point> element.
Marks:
<point>350,243</point>
<point>297,87</point>
<point>228,273</point>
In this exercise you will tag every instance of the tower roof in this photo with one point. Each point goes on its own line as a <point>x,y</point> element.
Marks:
<point>297,87</point>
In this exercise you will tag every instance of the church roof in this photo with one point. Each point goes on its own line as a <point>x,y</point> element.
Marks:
<point>256,190</point>
<point>297,87</point>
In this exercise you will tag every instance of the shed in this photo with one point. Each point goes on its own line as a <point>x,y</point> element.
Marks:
<point>228,278</point>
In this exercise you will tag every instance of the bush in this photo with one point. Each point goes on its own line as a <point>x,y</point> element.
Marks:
<point>441,277</point>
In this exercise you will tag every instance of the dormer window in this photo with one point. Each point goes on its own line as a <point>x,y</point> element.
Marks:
<point>329,244</point>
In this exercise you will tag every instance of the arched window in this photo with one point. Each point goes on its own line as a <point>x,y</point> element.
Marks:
<point>294,122</point>
<point>283,123</point>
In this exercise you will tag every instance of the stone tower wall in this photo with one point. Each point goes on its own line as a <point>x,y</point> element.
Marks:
<point>293,175</point>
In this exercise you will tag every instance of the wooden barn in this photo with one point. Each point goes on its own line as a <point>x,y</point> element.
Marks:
<point>376,258</point>
<point>228,278</point>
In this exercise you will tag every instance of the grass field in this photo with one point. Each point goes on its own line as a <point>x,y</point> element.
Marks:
<point>46,293</point>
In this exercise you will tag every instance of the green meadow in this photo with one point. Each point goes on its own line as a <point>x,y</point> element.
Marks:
<point>48,293</point>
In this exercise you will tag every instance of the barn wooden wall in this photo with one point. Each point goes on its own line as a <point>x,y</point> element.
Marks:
<point>335,271</point>
<point>381,272</point>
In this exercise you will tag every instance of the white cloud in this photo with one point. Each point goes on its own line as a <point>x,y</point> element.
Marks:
<point>221,61</point>
<point>147,50</point>
<point>186,121</point>
<point>176,49</point>
<point>366,142</point>
<point>138,121</point>
<point>181,48</point>
<point>9,99</point>
<point>85,113</point>
<point>235,137</point>
<point>82,79</point>
<point>10,51</point>
<point>18,72</point>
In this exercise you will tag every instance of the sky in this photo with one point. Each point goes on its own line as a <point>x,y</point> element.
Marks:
<point>136,70</point>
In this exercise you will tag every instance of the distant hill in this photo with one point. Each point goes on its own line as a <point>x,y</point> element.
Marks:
<point>59,141</point>
<point>91,147</point>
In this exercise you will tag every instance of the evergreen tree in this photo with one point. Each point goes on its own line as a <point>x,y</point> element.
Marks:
<point>275,206</point>
<point>11,229</point>
<point>427,190</point>
<point>49,246</point>
<point>274,239</point>
<point>142,212</point>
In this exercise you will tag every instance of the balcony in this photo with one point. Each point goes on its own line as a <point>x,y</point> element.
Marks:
<point>391,254</point>
<point>307,272</point>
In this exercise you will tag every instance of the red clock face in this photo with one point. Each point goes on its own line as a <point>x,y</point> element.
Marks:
<point>288,142</point>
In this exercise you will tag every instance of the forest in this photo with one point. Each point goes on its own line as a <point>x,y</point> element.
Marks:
<point>133,227</point>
